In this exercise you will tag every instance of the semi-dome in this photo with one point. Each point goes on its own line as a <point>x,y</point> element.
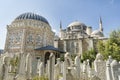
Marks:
<point>97,33</point>
<point>33,16</point>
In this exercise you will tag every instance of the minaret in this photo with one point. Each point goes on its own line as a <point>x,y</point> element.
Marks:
<point>60,33</point>
<point>100,25</point>
<point>60,25</point>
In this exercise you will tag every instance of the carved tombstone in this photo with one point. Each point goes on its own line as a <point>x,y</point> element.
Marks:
<point>28,66</point>
<point>69,76</point>
<point>115,69</point>
<point>22,68</point>
<point>68,60</point>
<point>108,69</point>
<point>100,67</point>
<point>77,67</point>
<point>51,66</point>
<point>6,68</point>
<point>57,69</point>
<point>41,73</point>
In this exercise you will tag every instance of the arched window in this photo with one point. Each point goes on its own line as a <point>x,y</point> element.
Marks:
<point>30,38</point>
<point>38,39</point>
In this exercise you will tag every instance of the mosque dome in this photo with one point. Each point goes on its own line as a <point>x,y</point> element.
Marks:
<point>77,25</point>
<point>32,16</point>
<point>97,33</point>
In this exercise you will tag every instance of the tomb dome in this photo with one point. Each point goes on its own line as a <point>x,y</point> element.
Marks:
<point>31,16</point>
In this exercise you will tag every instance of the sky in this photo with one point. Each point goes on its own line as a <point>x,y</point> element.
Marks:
<point>66,11</point>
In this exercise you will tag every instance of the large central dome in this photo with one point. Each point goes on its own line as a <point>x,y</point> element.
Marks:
<point>33,16</point>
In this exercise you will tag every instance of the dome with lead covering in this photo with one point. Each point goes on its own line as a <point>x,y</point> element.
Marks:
<point>77,25</point>
<point>97,33</point>
<point>32,16</point>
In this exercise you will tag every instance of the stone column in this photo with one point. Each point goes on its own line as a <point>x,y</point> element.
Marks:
<point>51,66</point>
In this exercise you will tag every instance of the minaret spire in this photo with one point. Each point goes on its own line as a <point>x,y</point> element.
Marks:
<point>60,25</point>
<point>100,24</point>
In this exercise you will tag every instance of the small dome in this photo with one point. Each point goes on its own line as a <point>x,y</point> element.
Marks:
<point>97,33</point>
<point>77,25</point>
<point>31,16</point>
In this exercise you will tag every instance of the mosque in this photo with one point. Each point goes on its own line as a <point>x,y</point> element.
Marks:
<point>78,38</point>
<point>31,39</point>
<point>30,31</point>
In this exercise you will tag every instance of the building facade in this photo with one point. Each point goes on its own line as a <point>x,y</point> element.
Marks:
<point>27,32</point>
<point>78,38</point>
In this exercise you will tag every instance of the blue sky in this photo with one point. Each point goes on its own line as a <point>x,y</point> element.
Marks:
<point>67,11</point>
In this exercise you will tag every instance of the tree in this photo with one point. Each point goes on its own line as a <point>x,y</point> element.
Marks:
<point>90,54</point>
<point>111,46</point>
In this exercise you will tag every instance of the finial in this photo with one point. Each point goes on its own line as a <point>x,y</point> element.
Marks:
<point>100,24</point>
<point>60,25</point>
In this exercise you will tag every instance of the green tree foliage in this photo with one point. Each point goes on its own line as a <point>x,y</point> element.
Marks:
<point>90,54</point>
<point>111,46</point>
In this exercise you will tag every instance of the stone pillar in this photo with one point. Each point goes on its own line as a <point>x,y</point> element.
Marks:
<point>38,66</point>
<point>21,69</point>
<point>28,66</point>
<point>88,67</point>
<point>108,70</point>
<point>68,60</point>
<point>51,66</point>
<point>84,67</point>
<point>57,69</point>
<point>6,68</point>
<point>64,70</point>
<point>77,65</point>
<point>100,67</point>
<point>115,70</point>
<point>41,73</point>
